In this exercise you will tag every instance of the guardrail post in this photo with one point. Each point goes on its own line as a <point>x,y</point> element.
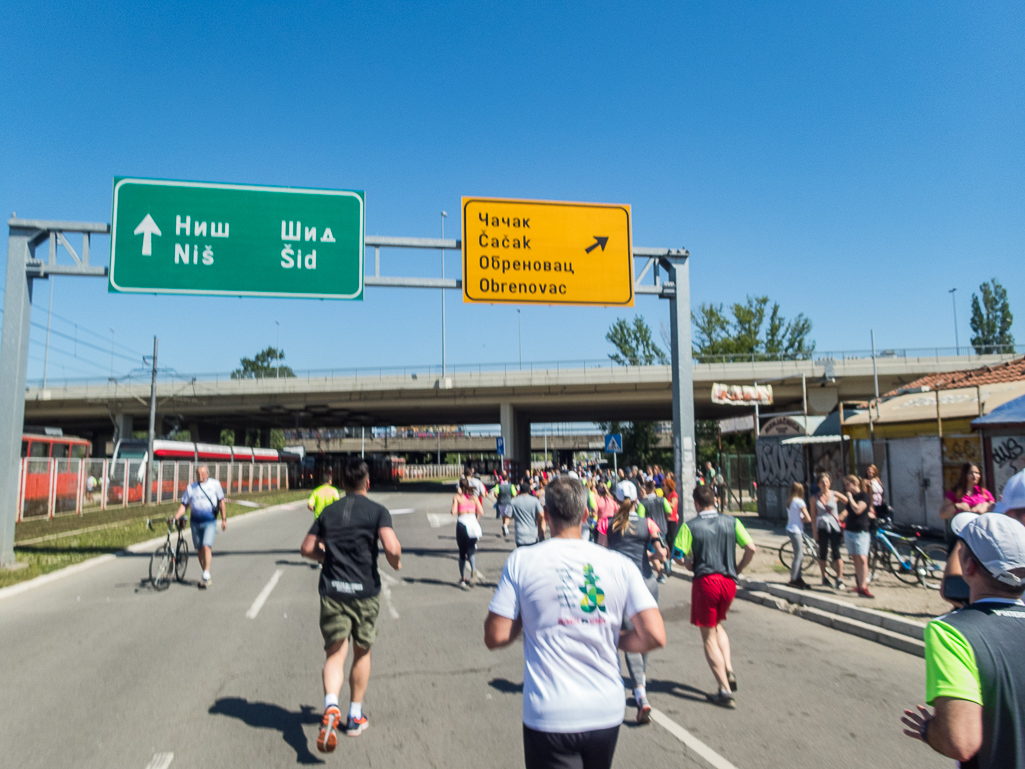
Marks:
<point>80,488</point>
<point>105,485</point>
<point>52,499</point>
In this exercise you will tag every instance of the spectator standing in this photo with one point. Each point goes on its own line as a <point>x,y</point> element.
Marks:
<point>825,522</point>
<point>797,516</point>
<point>967,496</point>
<point>708,544</point>
<point>857,517</point>
<point>344,539</point>
<point>569,599</point>
<point>974,667</point>
<point>876,490</point>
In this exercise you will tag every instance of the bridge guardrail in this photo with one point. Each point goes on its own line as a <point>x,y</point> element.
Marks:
<point>433,372</point>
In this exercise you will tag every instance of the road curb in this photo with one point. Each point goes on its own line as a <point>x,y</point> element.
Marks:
<point>75,568</point>
<point>890,622</point>
<point>897,633</point>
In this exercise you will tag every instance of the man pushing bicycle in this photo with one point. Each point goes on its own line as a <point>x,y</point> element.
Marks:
<point>205,497</point>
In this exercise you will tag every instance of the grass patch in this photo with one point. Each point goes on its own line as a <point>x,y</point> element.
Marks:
<point>122,527</point>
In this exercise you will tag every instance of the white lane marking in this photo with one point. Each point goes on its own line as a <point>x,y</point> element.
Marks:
<point>160,761</point>
<point>403,511</point>
<point>710,757</point>
<point>386,583</point>
<point>264,595</point>
<point>437,520</point>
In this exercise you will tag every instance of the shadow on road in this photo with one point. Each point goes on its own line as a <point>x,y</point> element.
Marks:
<point>675,688</point>
<point>264,715</point>
<point>506,686</point>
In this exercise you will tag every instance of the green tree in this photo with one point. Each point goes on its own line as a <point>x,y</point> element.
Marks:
<point>717,333</point>
<point>635,347</point>
<point>227,437</point>
<point>991,319</point>
<point>634,344</point>
<point>266,364</point>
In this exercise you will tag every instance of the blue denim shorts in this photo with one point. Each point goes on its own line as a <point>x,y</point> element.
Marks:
<point>858,542</point>
<point>203,533</point>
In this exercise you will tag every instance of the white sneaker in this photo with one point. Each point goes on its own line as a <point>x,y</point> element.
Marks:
<point>474,576</point>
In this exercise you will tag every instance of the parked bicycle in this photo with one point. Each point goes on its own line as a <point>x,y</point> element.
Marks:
<point>811,557</point>
<point>166,560</point>
<point>905,557</point>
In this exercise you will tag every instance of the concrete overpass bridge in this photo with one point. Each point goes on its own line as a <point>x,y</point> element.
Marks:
<point>511,396</point>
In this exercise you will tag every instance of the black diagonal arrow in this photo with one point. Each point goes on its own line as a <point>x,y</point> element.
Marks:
<point>599,240</point>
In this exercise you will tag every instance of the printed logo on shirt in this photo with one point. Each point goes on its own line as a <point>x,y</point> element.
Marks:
<point>594,596</point>
<point>346,587</point>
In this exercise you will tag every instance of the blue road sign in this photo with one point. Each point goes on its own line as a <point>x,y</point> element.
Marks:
<point>614,443</point>
<point>500,446</point>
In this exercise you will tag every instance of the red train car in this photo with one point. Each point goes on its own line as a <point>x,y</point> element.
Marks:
<point>62,477</point>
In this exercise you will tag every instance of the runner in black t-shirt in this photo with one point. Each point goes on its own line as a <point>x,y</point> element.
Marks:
<point>350,584</point>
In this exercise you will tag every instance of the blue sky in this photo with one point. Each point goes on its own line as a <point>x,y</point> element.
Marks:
<point>853,161</point>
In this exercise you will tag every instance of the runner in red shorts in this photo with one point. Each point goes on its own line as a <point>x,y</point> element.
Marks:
<point>707,545</point>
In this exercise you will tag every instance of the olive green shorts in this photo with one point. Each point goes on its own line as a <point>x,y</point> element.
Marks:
<point>356,618</point>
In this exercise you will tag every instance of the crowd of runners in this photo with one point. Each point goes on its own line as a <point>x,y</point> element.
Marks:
<point>582,584</point>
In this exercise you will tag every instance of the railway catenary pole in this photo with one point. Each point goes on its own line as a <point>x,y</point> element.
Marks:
<point>151,435</point>
<point>24,237</point>
<point>22,268</point>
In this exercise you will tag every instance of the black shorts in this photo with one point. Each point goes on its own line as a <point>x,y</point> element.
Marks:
<point>575,750</point>
<point>829,540</point>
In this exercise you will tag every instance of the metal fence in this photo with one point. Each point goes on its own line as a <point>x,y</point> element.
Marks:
<point>421,472</point>
<point>52,487</point>
<point>740,472</point>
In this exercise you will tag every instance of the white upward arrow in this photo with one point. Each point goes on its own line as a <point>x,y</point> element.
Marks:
<point>147,228</point>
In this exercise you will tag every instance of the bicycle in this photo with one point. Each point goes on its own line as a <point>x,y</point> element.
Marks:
<point>811,556</point>
<point>166,561</point>
<point>904,557</point>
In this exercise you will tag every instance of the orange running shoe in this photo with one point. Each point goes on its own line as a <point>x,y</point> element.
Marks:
<point>327,741</point>
<point>356,726</point>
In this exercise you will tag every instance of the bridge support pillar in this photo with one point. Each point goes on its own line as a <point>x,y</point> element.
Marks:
<point>204,432</point>
<point>516,432</point>
<point>123,426</point>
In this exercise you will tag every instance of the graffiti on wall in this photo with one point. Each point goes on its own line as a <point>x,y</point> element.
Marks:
<point>1008,458</point>
<point>779,465</point>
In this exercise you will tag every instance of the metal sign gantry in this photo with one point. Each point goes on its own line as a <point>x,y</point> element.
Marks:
<point>27,235</point>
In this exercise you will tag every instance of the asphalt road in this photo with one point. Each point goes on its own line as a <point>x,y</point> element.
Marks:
<point>98,670</point>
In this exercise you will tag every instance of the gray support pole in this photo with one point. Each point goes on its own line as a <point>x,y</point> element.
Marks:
<point>13,371</point>
<point>151,436</point>
<point>683,382</point>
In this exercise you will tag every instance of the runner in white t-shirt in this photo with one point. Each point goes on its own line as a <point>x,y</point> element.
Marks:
<point>569,598</point>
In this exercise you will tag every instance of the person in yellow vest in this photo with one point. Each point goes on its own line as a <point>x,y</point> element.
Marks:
<point>323,495</point>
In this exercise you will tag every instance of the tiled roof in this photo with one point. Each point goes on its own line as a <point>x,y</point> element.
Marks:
<point>1012,371</point>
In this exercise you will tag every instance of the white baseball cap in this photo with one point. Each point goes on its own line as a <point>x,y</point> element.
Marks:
<point>1013,496</point>
<point>626,490</point>
<point>998,542</point>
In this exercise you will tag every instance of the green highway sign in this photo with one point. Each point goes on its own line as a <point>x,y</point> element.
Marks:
<point>174,237</point>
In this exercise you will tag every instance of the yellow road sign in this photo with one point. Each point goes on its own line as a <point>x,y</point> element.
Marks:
<point>546,252</point>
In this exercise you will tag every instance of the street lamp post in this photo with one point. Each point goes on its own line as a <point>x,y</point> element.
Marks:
<point>519,333</point>
<point>953,300</point>
<point>443,215</point>
<point>277,348</point>
<point>111,353</point>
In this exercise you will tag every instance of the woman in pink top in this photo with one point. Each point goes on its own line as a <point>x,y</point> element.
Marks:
<point>468,508</point>
<point>967,496</point>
